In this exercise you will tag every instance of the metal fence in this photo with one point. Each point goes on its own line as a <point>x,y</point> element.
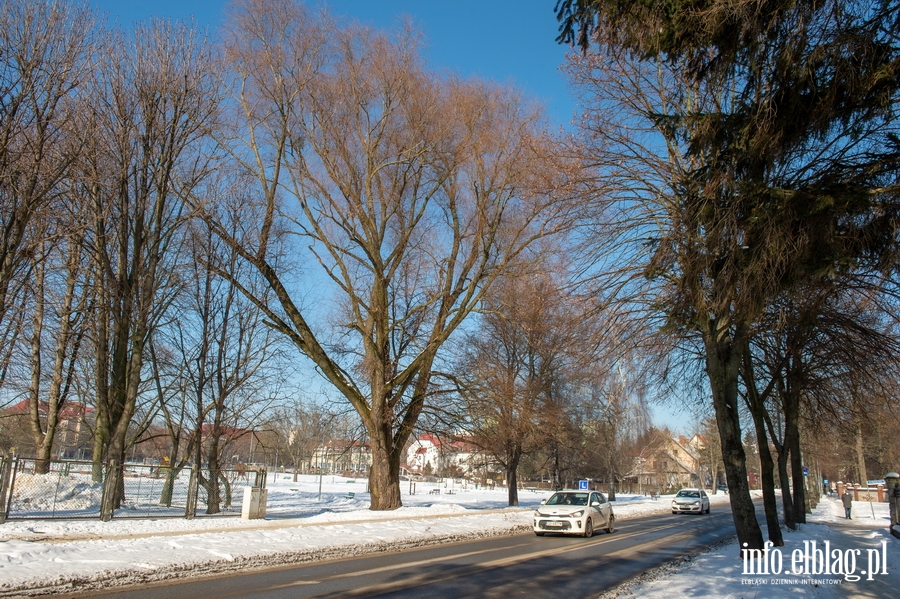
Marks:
<point>74,489</point>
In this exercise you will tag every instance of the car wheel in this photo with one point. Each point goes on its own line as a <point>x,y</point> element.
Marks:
<point>708,508</point>
<point>674,512</point>
<point>588,529</point>
<point>611,524</point>
<point>540,534</point>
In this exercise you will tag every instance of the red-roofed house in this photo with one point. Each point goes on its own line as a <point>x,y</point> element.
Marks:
<point>74,433</point>
<point>430,454</point>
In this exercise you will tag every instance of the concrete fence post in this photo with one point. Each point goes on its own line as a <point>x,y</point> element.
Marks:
<point>190,508</point>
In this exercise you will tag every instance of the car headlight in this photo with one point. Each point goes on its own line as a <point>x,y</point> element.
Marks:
<point>577,514</point>
<point>696,503</point>
<point>537,514</point>
<point>674,503</point>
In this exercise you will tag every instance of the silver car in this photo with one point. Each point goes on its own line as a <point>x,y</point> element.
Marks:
<point>574,513</point>
<point>691,501</point>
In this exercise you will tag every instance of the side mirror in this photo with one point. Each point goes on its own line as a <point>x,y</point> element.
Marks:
<point>543,501</point>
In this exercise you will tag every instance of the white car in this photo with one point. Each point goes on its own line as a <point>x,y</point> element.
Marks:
<point>690,501</point>
<point>574,513</point>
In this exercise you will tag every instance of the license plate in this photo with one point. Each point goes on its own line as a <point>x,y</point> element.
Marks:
<point>553,524</point>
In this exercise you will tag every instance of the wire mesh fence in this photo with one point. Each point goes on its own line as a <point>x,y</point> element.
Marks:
<point>53,489</point>
<point>71,489</point>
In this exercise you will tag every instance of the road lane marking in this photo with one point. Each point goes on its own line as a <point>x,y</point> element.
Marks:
<point>424,562</point>
<point>297,583</point>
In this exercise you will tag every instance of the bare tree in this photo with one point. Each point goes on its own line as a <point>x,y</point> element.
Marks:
<point>818,356</point>
<point>299,427</point>
<point>175,409</point>
<point>232,356</point>
<point>61,304</point>
<point>614,413</point>
<point>520,371</point>
<point>412,193</point>
<point>46,53</point>
<point>155,98</point>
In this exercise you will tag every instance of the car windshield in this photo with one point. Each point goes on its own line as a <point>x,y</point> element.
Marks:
<point>568,499</point>
<point>688,494</point>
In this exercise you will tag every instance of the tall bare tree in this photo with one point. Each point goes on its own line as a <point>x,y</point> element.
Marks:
<point>47,51</point>
<point>411,192</point>
<point>155,101</point>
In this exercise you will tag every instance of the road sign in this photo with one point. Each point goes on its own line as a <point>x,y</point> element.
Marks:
<point>805,471</point>
<point>582,485</point>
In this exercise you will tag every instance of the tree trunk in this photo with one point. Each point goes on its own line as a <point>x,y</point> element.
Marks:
<point>786,496</point>
<point>757,407</point>
<point>38,434</point>
<point>798,482</point>
<point>722,367</point>
<point>767,472</point>
<point>124,397</point>
<point>165,497</point>
<point>512,478</point>
<point>101,379</point>
<point>860,454</point>
<point>384,477</point>
<point>97,451</point>
<point>792,446</point>
<point>213,492</point>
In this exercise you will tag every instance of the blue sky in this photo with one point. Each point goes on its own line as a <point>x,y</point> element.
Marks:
<point>509,41</point>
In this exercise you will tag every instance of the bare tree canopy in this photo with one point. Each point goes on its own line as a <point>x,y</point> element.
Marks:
<point>411,192</point>
<point>155,98</point>
<point>46,55</point>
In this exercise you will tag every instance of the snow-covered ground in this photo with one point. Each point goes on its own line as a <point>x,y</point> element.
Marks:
<point>859,546</point>
<point>40,556</point>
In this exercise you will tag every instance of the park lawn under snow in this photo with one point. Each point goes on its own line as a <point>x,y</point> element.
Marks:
<point>83,554</point>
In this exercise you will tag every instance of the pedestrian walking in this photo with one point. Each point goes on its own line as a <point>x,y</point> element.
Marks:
<point>847,500</point>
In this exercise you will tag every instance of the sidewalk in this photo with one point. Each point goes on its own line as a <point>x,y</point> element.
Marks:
<point>719,573</point>
<point>866,530</point>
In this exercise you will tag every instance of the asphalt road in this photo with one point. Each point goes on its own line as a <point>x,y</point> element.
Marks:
<point>516,566</point>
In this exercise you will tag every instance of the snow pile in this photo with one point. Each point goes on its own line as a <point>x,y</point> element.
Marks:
<point>49,492</point>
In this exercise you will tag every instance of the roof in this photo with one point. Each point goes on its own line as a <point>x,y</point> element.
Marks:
<point>67,411</point>
<point>447,444</point>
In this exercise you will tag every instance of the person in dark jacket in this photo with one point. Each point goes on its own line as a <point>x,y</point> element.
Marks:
<point>847,500</point>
